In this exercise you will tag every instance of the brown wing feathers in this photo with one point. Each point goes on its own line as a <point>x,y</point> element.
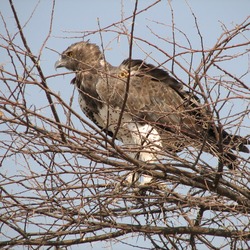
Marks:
<point>154,97</point>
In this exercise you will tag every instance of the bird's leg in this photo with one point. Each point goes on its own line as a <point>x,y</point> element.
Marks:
<point>132,178</point>
<point>149,141</point>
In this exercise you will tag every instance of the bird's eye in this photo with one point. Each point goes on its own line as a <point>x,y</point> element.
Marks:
<point>123,74</point>
<point>69,54</point>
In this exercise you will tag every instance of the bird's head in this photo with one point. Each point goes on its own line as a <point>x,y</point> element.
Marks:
<point>80,56</point>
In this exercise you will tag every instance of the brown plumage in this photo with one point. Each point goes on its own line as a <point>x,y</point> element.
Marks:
<point>158,113</point>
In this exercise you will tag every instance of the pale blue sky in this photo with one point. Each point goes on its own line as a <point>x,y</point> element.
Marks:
<point>72,19</point>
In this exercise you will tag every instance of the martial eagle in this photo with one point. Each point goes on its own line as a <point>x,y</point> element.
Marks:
<point>152,109</point>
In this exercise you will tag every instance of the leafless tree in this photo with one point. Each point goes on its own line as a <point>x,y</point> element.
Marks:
<point>63,180</point>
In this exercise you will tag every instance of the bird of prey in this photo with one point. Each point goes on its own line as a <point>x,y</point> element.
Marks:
<point>143,106</point>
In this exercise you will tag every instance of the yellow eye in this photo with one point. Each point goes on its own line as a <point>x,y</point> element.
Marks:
<point>123,74</point>
<point>69,54</point>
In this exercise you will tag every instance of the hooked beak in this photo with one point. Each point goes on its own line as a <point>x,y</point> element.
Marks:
<point>59,63</point>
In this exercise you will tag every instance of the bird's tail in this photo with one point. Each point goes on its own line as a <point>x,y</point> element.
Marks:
<point>235,143</point>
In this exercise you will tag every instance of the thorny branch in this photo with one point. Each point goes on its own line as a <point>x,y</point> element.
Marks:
<point>63,181</point>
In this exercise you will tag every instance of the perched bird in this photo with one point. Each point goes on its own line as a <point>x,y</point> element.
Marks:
<point>151,108</point>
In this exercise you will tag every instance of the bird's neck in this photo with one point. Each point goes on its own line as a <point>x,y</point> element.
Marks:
<point>94,67</point>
